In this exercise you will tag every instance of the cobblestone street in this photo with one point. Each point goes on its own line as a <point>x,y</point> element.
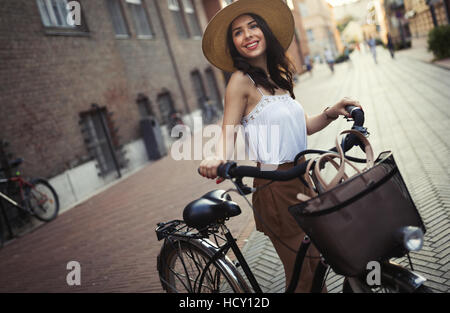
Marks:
<point>406,103</point>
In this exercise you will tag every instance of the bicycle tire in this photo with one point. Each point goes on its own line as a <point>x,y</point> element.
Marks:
<point>42,187</point>
<point>389,285</point>
<point>169,262</point>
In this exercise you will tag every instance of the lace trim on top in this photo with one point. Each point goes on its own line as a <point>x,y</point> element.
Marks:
<point>265,100</point>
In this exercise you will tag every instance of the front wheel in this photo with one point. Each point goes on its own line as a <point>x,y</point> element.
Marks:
<point>42,200</point>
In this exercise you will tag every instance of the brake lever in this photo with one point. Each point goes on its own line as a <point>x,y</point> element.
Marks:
<point>246,190</point>
<point>349,119</point>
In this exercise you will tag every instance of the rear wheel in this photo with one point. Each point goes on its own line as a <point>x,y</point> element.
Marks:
<point>183,267</point>
<point>42,200</point>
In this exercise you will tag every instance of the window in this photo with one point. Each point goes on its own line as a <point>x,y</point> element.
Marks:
<point>118,20</point>
<point>212,88</point>
<point>199,88</point>
<point>166,107</point>
<point>57,14</point>
<point>174,7</point>
<point>310,35</point>
<point>144,105</point>
<point>192,18</point>
<point>54,13</point>
<point>140,18</point>
<point>96,139</point>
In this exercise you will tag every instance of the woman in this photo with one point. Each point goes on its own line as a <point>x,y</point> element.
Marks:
<point>249,38</point>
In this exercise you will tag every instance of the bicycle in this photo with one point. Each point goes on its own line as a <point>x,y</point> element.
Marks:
<point>190,262</point>
<point>36,197</point>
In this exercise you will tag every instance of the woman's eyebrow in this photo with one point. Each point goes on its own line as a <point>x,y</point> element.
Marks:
<point>252,21</point>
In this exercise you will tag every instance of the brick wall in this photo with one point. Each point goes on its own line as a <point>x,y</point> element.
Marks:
<point>47,80</point>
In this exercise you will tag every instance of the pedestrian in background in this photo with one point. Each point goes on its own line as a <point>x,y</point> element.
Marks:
<point>308,63</point>
<point>373,48</point>
<point>390,45</point>
<point>330,59</point>
<point>347,56</point>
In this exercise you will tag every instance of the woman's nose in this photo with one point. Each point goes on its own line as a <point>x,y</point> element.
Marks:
<point>247,33</point>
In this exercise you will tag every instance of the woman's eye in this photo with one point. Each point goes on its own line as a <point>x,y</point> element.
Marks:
<point>253,26</point>
<point>237,33</point>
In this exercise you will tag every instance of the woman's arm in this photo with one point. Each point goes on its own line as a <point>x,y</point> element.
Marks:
<point>235,102</point>
<point>318,122</point>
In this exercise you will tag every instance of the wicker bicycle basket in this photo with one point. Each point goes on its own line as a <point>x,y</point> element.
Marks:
<point>356,221</point>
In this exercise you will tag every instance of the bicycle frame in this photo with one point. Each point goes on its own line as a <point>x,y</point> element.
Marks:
<point>301,254</point>
<point>11,201</point>
<point>21,183</point>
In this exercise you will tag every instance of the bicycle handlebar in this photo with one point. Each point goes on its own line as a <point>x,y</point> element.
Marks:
<point>231,170</point>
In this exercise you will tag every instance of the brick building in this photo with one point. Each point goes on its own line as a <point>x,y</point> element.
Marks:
<point>420,15</point>
<point>320,26</point>
<point>60,83</point>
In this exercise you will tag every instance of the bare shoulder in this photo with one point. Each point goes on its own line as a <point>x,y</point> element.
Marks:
<point>239,84</point>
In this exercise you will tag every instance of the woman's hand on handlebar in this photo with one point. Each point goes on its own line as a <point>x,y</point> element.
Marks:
<point>339,108</point>
<point>208,167</point>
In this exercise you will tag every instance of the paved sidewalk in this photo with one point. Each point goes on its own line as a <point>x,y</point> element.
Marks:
<point>111,235</point>
<point>420,52</point>
<point>406,104</point>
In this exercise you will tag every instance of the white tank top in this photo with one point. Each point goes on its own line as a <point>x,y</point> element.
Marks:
<point>275,130</point>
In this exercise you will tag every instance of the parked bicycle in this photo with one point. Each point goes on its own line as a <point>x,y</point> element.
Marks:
<point>35,197</point>
<point>193,257</point>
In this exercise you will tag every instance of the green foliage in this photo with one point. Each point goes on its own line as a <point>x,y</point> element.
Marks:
<point>439,41</point>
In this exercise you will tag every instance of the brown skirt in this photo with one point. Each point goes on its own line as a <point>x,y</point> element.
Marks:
<point>271,203</point>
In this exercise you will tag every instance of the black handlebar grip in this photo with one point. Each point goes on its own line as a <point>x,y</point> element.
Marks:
<point>357,114</point>
<point>222,170</point>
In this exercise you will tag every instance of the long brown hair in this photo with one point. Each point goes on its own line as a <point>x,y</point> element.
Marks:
<point>279,66</point>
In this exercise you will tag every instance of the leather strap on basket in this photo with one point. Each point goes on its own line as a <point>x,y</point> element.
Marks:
<point>328,157</point>
<point>341,169</point>
<point>367,147</point>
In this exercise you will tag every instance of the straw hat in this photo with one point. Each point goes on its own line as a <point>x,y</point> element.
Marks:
<point>275,12</point>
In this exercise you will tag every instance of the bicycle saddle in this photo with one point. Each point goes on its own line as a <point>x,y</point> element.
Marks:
<point>210,208</point>
<point>14,163</point>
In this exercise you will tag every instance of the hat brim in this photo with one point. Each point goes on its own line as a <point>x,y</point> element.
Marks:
<point>276,13</point>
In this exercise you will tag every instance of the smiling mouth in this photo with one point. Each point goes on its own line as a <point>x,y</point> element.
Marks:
<point>252,46</point>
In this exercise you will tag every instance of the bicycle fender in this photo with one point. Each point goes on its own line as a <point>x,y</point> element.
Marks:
<point>408,278</point>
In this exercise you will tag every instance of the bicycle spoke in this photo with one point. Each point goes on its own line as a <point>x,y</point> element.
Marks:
<point>192,271</point>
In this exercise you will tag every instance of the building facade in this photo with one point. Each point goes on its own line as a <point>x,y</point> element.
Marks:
<point>398,24</point>
<point>76,82</point>
<point>320,27</point>
<point>420,15</point>
<point>299,48</point>
<point>369,14</point>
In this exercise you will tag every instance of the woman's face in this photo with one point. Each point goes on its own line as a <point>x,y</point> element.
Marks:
<point>248,38</point>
